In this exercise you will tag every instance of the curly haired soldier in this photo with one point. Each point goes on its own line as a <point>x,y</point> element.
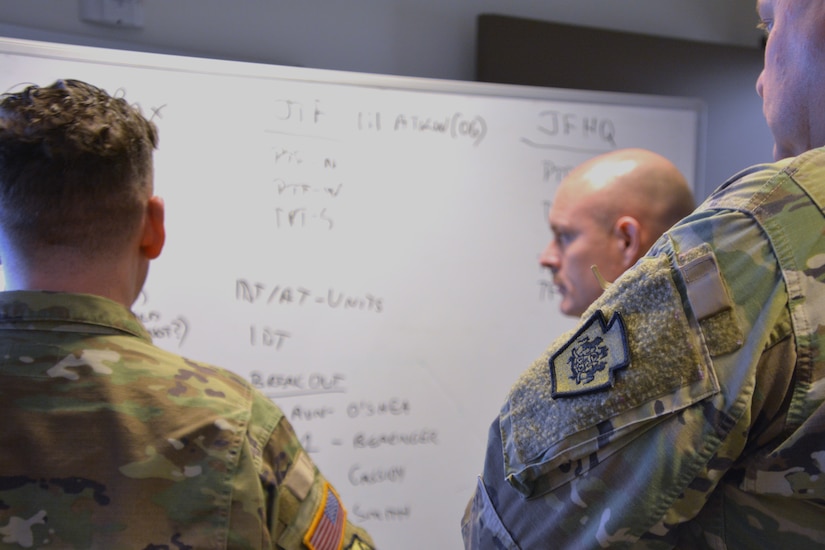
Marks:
<point>107,440</point>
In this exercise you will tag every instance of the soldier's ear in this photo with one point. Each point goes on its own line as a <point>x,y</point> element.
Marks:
<point>154,229</point>
<point>628,233</point>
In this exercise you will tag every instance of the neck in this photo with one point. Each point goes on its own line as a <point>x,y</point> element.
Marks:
<point>117,280</point>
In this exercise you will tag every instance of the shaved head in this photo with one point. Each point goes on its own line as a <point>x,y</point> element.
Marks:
<point>633,182</point>
<point>608,212</point>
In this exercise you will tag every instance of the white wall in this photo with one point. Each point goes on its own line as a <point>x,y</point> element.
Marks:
<point>425,38</point>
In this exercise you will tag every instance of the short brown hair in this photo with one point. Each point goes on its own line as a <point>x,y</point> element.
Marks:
<point>75,166</point>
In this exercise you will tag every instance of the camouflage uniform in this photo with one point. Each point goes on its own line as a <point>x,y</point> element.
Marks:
<point>110,442</point>
<point>686,411</point>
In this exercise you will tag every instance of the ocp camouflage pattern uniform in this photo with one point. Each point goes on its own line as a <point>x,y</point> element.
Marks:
<point>686,411</point>
<point>110,442</point>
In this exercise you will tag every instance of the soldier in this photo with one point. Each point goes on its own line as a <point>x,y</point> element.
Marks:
<point>607,212</point>
<point>686,410</point>
<point>107,440</point>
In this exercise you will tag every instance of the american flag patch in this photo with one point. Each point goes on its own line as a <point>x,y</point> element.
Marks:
<point>327,529</point>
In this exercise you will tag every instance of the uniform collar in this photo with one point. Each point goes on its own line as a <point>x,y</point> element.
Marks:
<point>67,309</point>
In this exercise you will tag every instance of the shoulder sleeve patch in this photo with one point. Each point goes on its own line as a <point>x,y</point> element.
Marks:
<point>587,361</point>
<point>327,529</point>
<point>358,544</point>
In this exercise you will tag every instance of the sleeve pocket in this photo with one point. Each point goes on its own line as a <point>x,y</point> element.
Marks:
<point>550,440</point>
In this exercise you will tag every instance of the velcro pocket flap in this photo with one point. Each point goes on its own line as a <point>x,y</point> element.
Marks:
<point>549,440</point>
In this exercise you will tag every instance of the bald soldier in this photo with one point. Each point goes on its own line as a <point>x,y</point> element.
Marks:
<point>607,213</point>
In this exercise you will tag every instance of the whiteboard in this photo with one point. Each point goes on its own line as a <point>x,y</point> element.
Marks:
<point>364,249</point>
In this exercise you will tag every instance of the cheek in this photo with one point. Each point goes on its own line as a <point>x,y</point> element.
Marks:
<point>815,96</point>
<point>581,258</point>
<point>771,79</point>
<point>578,253</point>
<point>793,99</point>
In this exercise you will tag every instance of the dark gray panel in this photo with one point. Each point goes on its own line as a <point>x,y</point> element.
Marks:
<point>540,53</point>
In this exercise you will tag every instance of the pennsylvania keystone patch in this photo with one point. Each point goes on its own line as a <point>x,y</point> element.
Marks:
<point>587,361</point>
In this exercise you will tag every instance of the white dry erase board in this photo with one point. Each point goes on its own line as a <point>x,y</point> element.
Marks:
<point>364,249</point>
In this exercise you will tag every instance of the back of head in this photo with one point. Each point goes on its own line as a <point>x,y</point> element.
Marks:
<point>662,193</point>
<point>75,168</point>
<point>642,184</point>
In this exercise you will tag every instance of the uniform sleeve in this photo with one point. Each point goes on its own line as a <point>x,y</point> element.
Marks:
<point>303,509</point>
<point>618,434</point>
